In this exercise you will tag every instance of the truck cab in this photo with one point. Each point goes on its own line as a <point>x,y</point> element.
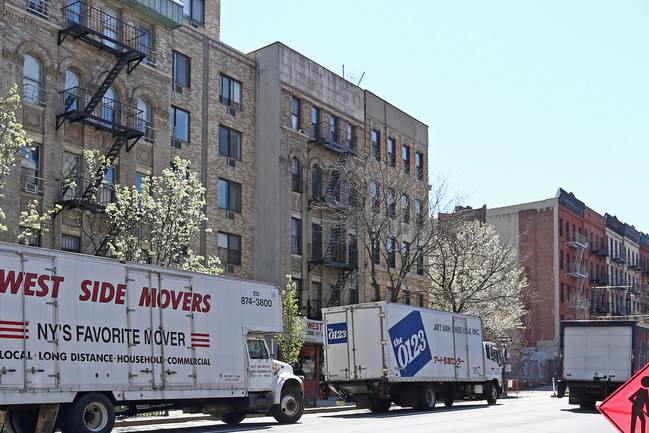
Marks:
<point>494,360</point>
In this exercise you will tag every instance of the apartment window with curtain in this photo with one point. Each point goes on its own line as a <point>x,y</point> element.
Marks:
<point>33,80</point>
<point>144,120</point>
<point>230,92</point>
<point>296,236</point>
<point>406,158</point>
<point>229,248</point>
<point>391,252</point>
<point>376,144</point>
<point>229,142</point>
<point>419,163</point>
<point>229,195</point>
<point>392,156</point>
<point>71,243</point>
<point>295,114</point>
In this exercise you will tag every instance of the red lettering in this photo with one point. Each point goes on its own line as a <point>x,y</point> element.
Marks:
<point>85,292</point>
<point>56,281</point>
<point>12,279</point>
<point>29,283</point>
<point>175,300</point>
<point>95,291</point>
<point>121,292</point>
<point>148,299</point>
<point>187,301</point>
<point>167,300</point>
<point>196,302</point>
<point>206,304</point>
<point>42,284</point>
<point>107,292</point>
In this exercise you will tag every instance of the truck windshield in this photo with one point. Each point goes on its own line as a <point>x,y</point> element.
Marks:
<point>257,349</point>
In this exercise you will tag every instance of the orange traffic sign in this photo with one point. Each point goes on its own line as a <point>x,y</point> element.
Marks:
<point>628,407</point>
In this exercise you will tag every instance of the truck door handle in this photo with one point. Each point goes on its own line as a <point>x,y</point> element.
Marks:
<point>5,371</point>
<point>169,372</point>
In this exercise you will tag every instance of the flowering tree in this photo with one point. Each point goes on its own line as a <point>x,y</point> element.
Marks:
<point>12,138</point>
<point>472,272</point>
<point>157,223</point>
<point>291,339</point>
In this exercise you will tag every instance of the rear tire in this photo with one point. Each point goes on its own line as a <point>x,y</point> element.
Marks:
<point>290,407</point>
<point>448,401</point>
<point>21,420</point>
<point>426,398</point>
<point>379,406</point>
<point>233,418</point>
<point>89,413</point>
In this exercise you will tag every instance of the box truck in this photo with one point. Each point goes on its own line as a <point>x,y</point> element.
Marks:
<point>598,356</point>
<point>83,339</point>
<point>381,353</point>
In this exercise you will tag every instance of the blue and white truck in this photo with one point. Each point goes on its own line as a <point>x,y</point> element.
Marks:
<point>381,353</point>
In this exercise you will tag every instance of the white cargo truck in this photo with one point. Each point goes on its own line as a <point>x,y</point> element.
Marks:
<point>381,353</point>
<point>598,356</point>
<point>83,339</point>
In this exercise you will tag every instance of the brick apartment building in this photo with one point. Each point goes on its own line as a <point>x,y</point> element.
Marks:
<point>579,264</point>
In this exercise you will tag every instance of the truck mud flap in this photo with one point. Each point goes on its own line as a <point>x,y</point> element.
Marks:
<point>3,417</point>
<point>47,418</point>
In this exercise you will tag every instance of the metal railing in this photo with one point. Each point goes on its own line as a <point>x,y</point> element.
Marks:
<point>71,190</point>
<point>338,136</point>
<point>112,111</point>
<point>578,240</point>
<point>40,8</point>
<point>34,94</point>
<point>31,183</point>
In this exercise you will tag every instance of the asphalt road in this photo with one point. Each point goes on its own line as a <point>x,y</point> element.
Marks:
<point>531,411</point>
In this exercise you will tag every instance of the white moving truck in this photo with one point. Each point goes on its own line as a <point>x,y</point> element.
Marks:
<point>379,353</point>
<point>88,338</point>
<point>598,356</point>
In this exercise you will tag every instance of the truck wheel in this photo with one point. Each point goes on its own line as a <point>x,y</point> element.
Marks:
<point>491,393</point>
<point>378,405</point>
<point>90,413</point>
<point>290,407</point>
<point>426,398</point>
<point>21,420</point>
<point>448,401</point>
<point>587,403</point>
<point>233,418</point>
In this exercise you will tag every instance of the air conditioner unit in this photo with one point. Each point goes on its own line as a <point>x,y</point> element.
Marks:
<point>229,215</point>
<point>230,162</point>
<point>229,269</point>
<point>30,187</point>
<point>232,111</point>
<point>177,88</point>
<point>176,143</point>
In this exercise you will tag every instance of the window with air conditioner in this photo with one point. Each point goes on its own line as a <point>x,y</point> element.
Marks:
<point>230,92</point>
<point>31,169</point>
<point>179,126</point>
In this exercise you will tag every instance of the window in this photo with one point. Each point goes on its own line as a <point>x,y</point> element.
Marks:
<point>315,120</point>
<point>145,44</point>
<point>109,107</point>
<point>144,120</point>
<point>34,240</point>
<point>333,127</point>
<point>316,182</point>
<point>560,227</point>
<point>257,350</point>
<point>32,80</point>
<point>296,175</point>
<point>419,217</point>
<point>420,299</point>
<point>181,70</point>
<point>179,124</point>
<point>419,163</point>
<point>73,11</point>
<point>406,158</point>
<point>351,136</point>
<point>376,149</point>
<point>391,253</point>
<point>230,195</point>
<point>316,241</point>
<point>406,297</point>
<point>230,92</point>
<point>374,197</point>
<point>71,172</point>
<point>72,91</point>
<point>139,181</point>
<point>298,292</point>
<point>193,9</point>
<point>390,203</point>
<point>111,26</point>
<point>420,264</point>
<point>71,243</point>
<point>296,236</point>
<point>31,169</point>
<point>40,8</point>
<point>229,142</point>
<point>405,252</point>
<point>229,248</point>
<point>376,249</point>
<point>107,194</point>
<point>376,294</point>
<point>405,209</point>
<point>295,114</point>
<point>392,157</point>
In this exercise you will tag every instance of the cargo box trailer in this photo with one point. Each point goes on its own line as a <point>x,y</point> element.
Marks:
<point>84,338</point>
<point>381,353</point>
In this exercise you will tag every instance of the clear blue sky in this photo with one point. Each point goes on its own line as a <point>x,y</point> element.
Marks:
<point>521,97</point>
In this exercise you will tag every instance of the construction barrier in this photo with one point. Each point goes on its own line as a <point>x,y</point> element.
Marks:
<point>512,386</point>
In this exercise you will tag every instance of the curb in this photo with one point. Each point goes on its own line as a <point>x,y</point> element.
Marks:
<point>130,422</point>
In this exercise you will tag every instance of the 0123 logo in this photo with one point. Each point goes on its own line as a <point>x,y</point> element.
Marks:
<point>410,344</point>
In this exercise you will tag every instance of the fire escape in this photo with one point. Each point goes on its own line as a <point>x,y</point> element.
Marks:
<point>579,271</point>
<point>90,105</point>
<point>341,252</point>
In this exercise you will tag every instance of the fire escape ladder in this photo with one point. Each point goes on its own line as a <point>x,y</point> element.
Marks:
<point>337,288</point>
<point>111,155</point>
<point>333,188</point>
<point>336,245</point>
<point>103,247</point>
<point>96,98</point>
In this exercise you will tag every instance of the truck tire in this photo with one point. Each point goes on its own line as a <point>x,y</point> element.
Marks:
<point>378,405</point>
<point>89,413</point>
<point>233,418</point>
<point>291,406</point>
<point>448,401</point>
<point>21,420</point>
<point>491,393</point>
<point>426,398</point>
